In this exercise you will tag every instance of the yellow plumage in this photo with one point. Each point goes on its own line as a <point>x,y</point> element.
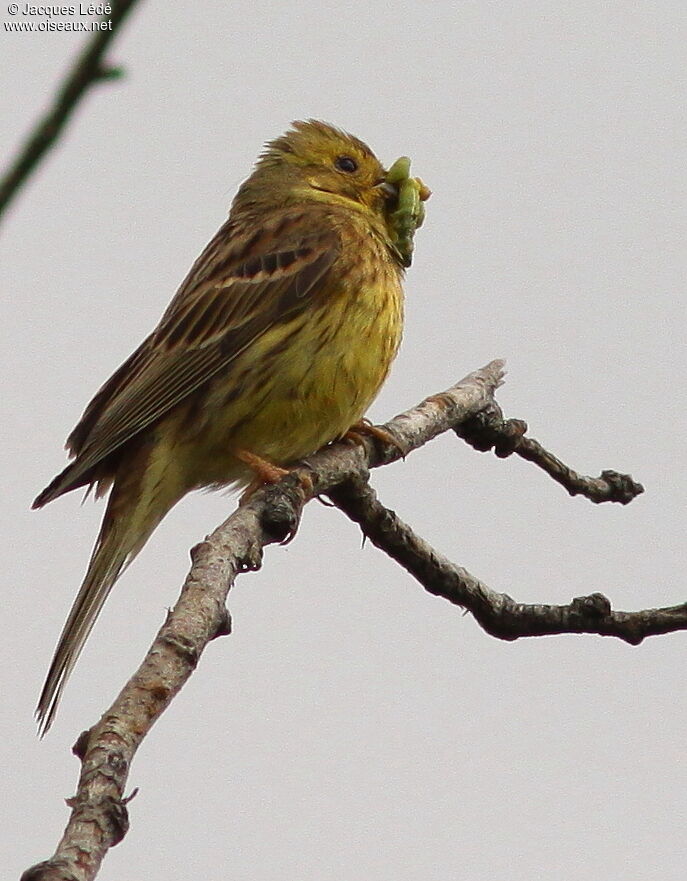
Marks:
<point>306,382</point>
<point>276,343</point>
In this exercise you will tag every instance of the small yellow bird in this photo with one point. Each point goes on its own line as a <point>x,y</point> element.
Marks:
<point>275,344</point>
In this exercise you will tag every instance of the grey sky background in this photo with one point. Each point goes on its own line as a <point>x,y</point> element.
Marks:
<point>353,727</point>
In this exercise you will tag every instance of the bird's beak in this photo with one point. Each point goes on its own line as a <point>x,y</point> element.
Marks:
<point>389,190</point>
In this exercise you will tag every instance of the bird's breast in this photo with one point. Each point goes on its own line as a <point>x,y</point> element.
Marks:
<point>305,381</point>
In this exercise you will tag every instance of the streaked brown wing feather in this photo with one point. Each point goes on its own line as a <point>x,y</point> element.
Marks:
<point>240,287</point>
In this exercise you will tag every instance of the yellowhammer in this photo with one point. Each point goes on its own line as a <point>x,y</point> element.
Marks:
<point>275,344</point>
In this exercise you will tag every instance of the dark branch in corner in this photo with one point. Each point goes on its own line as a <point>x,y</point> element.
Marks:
<point>88,70</point>
<point>99,809</point>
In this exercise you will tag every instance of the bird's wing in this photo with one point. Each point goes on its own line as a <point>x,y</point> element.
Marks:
<point>241,286</point>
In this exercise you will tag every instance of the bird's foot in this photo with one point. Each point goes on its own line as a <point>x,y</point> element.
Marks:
<point>363,427</point>
<point>265,472</point>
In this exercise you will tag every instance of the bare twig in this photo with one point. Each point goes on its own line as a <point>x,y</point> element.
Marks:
<point>489,430</point>
<point>87,70</point>
<point>498,613</point>
<point>99,811</point>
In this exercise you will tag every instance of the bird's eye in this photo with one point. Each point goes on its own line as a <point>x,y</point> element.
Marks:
<point>345,163</point>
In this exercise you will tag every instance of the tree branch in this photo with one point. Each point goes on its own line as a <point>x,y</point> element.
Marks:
<point>497,613</point>
<point>99,810</point>
<point>88,70</point>
<point>489,430</point>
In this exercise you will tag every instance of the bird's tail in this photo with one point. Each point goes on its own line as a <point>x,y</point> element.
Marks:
<point>131,516</point>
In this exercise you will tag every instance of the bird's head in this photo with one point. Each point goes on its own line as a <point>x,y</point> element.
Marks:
<point>314,161</point>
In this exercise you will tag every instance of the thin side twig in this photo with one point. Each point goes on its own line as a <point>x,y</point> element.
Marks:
<point>488,430</point>
<point>499,614</point>
<point>87,71</point>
